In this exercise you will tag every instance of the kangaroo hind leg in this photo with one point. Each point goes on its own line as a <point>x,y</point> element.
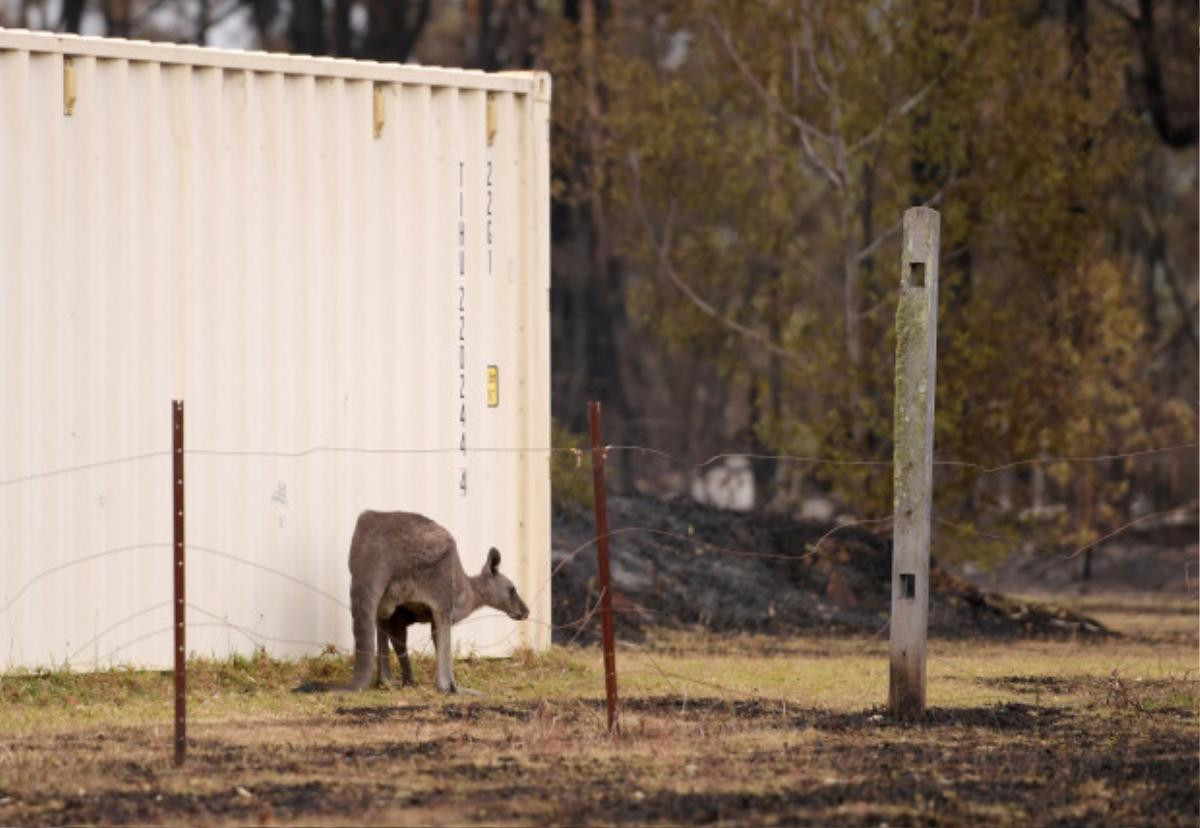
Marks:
<point>445,659</point>
<point>395,630</point>
<point>364,606</point>
<point>383,673</point>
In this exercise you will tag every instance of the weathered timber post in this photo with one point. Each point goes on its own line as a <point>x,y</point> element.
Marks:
<point>179,572</point>
<point>916,373</point>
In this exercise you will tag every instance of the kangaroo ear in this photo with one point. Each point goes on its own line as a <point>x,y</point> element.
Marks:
<point>493,561</point>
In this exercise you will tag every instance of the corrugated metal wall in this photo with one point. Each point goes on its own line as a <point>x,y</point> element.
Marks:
<point>321,258</point>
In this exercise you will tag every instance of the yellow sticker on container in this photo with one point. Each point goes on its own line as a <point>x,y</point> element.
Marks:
<point>493,386</point>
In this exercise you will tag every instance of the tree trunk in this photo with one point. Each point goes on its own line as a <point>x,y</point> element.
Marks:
<point>852,303</point>
<point>202,23</point>
<point>71,17</point>
<point>306,29</point>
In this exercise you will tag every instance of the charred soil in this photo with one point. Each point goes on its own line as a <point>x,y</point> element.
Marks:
<point>1103,758</point>
<point>679,564</point>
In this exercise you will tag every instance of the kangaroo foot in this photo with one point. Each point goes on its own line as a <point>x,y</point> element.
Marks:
<point>467,691</point>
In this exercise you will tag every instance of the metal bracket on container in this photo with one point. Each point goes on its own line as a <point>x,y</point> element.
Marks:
<point>493,386</point>
<point>68,86</point>
<point>378,110</point>
<point>491,118</point>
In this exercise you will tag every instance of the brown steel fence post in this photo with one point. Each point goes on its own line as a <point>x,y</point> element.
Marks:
<point>180,644</point>
<point>610,659</point>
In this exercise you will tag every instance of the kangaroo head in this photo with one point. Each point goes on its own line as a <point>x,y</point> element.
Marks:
<point>498,592</point>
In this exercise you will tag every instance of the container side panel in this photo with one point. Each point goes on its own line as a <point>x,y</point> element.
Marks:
<point>326,398</point>
<point>84,545</point>
<point>326,619</point>
<point>447,295</point>
<point>342,320</point>
<point>221,520</point>
<point>146,398</point>
<point>20,210</point>
<point>359,485</point>
<point>60,323</point>
<point>241,333</point>
<point>369,363</point>
<point>501,240</point>
<point>259,406</point>
<point>538,338</point>
<point>388,249</point>
<point>200,126</point>
<point>107,510</point>
<point>312,518</point>
<point>326,300</point>
<point>418,208</point>
<point>489,632</point>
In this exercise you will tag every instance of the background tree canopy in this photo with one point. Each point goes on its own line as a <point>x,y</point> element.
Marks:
<point>729,179</point>
<point>755,161</point>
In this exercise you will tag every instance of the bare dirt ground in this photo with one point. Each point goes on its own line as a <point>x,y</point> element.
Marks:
<point>729,729</point>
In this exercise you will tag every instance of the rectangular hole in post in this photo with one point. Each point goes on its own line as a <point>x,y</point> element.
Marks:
<point>916,274</point>
<point>908,585</point>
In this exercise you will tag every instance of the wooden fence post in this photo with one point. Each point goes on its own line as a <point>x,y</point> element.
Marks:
<point>179,571</point>
<point>916,373</point>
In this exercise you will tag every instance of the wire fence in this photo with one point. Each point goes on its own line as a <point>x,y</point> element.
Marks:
<point>109,644</point>
<point>579,453</point>
<point>1014,540</point>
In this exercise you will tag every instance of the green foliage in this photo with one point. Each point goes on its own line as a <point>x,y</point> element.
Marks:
<point>570,472</point>
<point>758,157</point>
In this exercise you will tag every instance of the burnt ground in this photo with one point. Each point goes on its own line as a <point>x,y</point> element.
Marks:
<point>680,761</point>
<point>1028,723</point>
<point>679,564</point>
<point>1160,560</point>
<point>730,729</point>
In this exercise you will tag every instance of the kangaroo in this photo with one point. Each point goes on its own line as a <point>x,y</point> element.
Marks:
<point>405,569</point>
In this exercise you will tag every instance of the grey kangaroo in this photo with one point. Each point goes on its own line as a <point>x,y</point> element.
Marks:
<point>405,569</point>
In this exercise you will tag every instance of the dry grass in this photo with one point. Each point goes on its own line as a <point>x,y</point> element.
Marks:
<point>739,730</point>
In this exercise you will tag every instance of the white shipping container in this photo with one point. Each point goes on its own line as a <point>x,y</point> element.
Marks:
<point>342,268</point>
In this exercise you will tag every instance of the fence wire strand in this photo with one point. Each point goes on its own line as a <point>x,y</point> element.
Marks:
<point>577,626</point>
<point>578,452</point>
<point>1052,554</point>
<point>279,572</point>
<point>75,562</point>
<point>834,461</point>
<point>119,622</point>
<point>133,458</point>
